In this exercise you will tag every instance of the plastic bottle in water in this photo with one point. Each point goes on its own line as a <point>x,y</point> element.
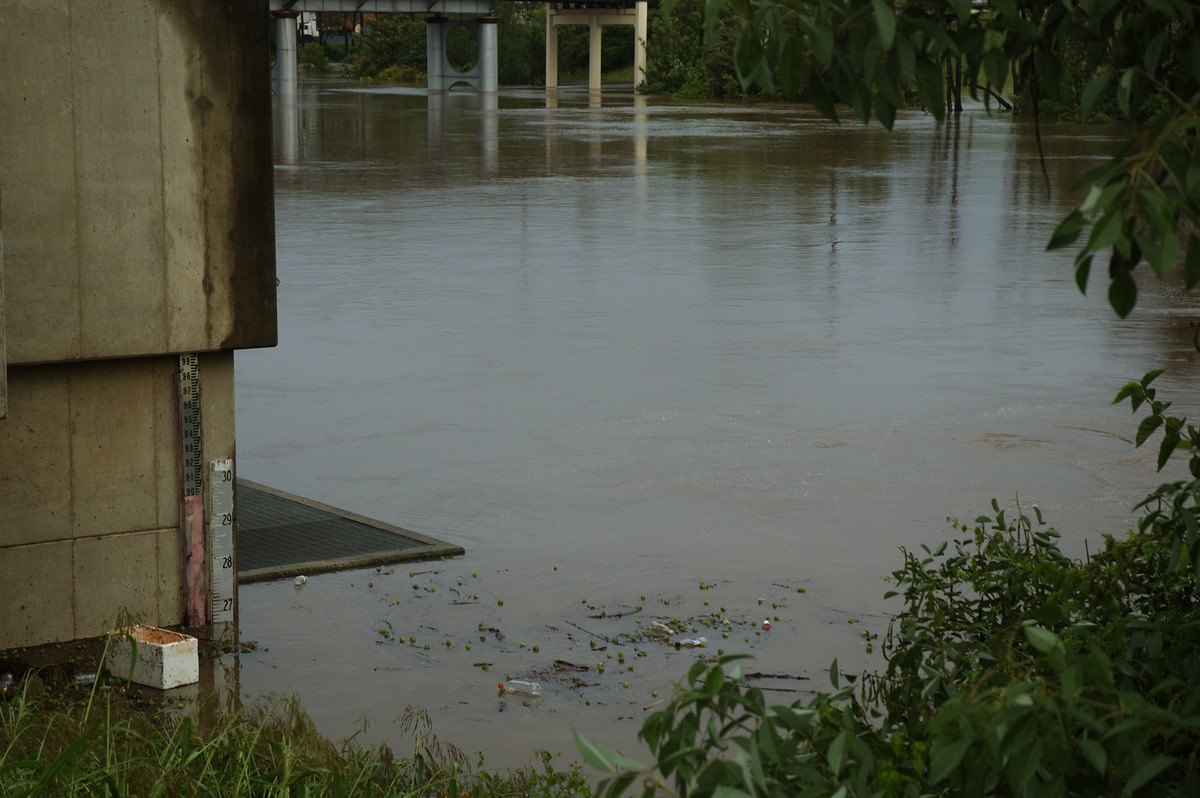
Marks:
<point>522,687</point>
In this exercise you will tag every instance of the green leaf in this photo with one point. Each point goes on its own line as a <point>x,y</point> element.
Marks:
<point>1124,91</point>
<point>1146,429</point>
<point>1083,269</point>
<point>1166,255</point>
<point>821,98</point>
<point>1095,754</point>
<point>931,89</point>
<point>1043,640</point>
<point>792,66</point>
<point>885,111</point>
<point>1191,262</point>
<point>821,43</point>
<point>885,23</point>
<point>837,752</point>
<point>947,759</point>
<point>1106,231</point>
<point>1127,390</point>
<point>602,758</point>
<point>1147,772</point>
<point>995,66</point>
<point>1170,442</point>
<point>748,55</point>
<point>1067,231</point>
<point>712,11</point>
<point>833,674</point>
<point>1091,93</point>
<point>1153,52</point>
<point>1122,292</point>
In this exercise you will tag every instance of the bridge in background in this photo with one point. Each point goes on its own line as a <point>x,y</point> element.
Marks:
<point>477,17</point>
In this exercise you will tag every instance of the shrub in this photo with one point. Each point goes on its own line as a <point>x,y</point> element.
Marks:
<point>311,55</point>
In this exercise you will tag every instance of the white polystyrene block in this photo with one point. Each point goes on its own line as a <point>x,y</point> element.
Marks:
<point>162,659</point>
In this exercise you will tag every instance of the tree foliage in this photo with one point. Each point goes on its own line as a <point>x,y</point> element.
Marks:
<point>1143,205</point>
<point>1011,670</point>
<point>679,63</point>
<point>391,40</point>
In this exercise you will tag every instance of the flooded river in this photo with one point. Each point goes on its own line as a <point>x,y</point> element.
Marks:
<point>654,361</point>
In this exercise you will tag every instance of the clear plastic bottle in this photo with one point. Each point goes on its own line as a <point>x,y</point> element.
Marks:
<point>522,687</point>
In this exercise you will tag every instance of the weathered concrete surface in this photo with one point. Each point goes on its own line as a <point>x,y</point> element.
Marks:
<point>137,215</point>
<point>135,170</point>
<point>89,492</point>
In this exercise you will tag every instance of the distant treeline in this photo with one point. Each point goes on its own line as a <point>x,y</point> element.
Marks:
<point>679,60</point>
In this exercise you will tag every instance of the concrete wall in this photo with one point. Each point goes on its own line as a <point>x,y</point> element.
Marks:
<point>136,180</point>
<point>136,209</point>
<point>89,492</point>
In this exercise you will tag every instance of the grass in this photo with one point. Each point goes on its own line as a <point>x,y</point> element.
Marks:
<point>56,742</point>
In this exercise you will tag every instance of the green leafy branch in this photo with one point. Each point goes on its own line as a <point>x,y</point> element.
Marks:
<point>872,55</point>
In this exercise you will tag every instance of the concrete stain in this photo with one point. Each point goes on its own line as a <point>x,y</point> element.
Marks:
<point>228,89</point>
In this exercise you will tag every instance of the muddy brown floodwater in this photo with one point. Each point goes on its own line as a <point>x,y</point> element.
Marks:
<point>661,362</point>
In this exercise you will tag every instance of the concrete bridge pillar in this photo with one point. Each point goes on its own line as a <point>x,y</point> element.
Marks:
<point>551,49</point>
<point>595,50</point>
<point>596,19</point>
<point>484,75</point>
<point>285,54</point>
<point>489,50</point>
<point>641,25</point>
<point>435,51</point>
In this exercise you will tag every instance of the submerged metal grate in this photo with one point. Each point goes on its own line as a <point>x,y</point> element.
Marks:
<point>280,535</point>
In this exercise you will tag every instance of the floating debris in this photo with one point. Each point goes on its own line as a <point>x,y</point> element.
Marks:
<point>521,687</point>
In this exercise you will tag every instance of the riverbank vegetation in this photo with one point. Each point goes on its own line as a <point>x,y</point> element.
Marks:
<point>58,741</point>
